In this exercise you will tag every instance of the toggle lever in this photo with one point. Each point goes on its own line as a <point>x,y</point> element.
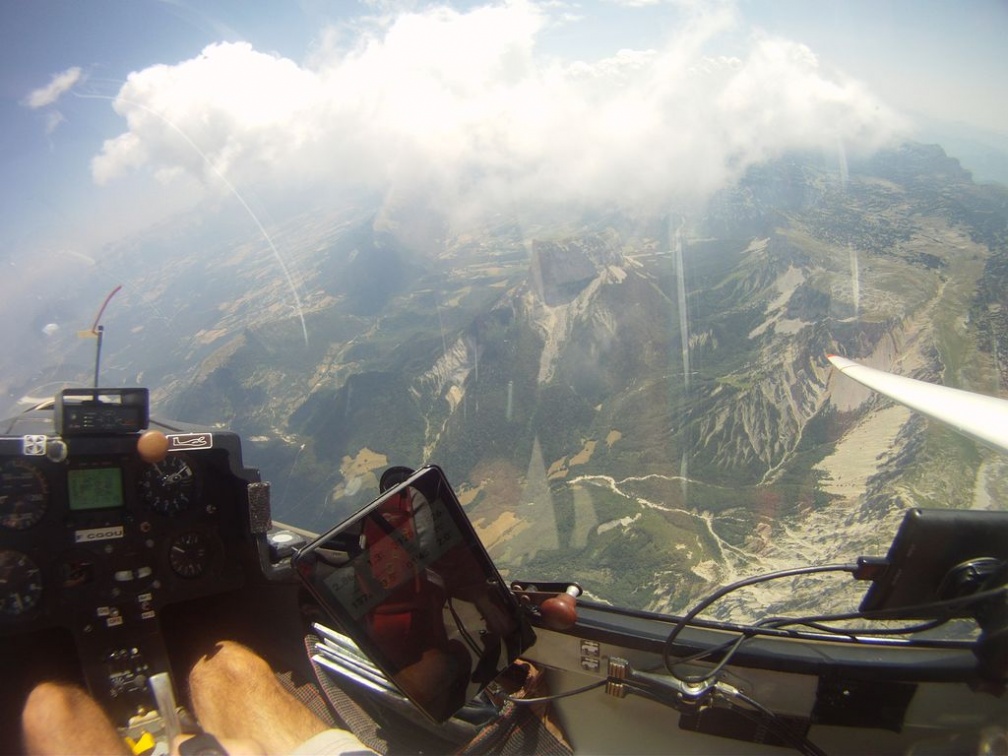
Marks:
<point>556,602</point>
<point>161,686</point>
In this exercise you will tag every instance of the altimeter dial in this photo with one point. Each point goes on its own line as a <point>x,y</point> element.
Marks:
<point>169,486</point>
<point>24,494</point>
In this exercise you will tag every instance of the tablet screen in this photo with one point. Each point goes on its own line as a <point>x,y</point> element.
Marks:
<point>408,579</point>
<point>929,545</point>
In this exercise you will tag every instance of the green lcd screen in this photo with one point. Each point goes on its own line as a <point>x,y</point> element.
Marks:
<point>94,488</point>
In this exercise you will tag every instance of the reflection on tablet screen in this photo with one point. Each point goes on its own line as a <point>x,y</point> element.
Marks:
<point>408,579</point>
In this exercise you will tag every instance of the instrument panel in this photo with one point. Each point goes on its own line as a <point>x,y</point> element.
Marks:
<point>102,526</point>
<point>95,542</point>
<point>91,534</point>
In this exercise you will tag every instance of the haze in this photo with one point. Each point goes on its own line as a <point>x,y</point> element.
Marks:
<point>472,110</point>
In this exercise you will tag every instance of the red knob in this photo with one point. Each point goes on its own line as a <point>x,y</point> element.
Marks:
<point>559,612</point>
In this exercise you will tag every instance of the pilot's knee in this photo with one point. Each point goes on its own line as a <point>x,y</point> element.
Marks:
<point>48,702</point>
<point>228,661</point>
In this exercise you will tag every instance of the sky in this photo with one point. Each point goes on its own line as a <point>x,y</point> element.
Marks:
<point>120,115</point>
<point>156,102</point>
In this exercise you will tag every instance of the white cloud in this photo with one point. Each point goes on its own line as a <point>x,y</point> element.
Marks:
<point>53,120</point>
<point>460,108</point>
<point>49,94</point>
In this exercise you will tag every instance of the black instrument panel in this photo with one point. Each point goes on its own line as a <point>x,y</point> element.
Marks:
<point>96,542</point>
<point>104,533</point>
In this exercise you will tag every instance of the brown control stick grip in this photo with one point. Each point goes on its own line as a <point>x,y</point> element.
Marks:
<point>560,612</point>
<point>152,446</point>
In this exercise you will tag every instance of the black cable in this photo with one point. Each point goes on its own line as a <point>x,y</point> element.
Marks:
<point>853,633</point>
<point>917,611</point>
<point>731,587</point>
<point>767,717</point>
<point>760,713</point>
<point>554,696</point>
<point>723,647</point>
<point>776,724</point>
<point>770,632</point>
<point>857,635</point>
<point>729,648</point>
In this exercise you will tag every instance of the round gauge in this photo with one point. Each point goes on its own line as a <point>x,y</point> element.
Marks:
<point>169,486</point>
<point>24,494</point>
<point>77,568</point>
<point>190,553</point>
<point>20,583</point>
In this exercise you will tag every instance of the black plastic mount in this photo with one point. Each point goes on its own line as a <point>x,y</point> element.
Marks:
<point>91,411</point>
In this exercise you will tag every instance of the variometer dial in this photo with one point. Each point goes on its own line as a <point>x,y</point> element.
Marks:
<point>20,583</point>
<point>24,494</point>
<point>190,554</point>
<point>169,486</point>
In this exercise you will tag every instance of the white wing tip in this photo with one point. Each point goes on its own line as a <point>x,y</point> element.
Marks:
<point>840,363</point>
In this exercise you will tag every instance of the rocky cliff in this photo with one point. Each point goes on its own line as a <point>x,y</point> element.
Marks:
<point>644,404</point>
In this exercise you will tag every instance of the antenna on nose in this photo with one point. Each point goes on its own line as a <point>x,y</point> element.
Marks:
<point>97,330</point>
<point>83,412</point>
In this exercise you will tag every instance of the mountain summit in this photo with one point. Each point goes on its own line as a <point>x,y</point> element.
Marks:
<point>654,388</point>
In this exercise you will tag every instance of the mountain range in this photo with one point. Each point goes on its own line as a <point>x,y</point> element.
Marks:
<point>639,404</point>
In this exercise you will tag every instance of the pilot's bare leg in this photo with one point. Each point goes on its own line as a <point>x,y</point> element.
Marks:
<point>60,719</point>
<point>236,696</point>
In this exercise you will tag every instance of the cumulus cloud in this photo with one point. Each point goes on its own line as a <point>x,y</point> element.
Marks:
<point>61,83</point>
<point>463,108</point>
<point>53,121</point>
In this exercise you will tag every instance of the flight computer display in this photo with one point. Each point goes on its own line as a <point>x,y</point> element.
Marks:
<point>94,488</point>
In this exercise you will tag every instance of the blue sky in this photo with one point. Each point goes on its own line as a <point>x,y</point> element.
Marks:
<point>886,64</point>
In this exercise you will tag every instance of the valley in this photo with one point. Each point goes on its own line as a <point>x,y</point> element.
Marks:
<point>640,404</point>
